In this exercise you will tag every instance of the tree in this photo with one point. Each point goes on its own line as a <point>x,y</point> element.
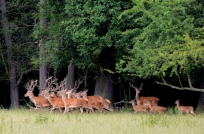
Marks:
<point>15,56</point>
<point>11,62</point>
<point>43,67</point>
<point>88,32</point>
<point>166,46</point>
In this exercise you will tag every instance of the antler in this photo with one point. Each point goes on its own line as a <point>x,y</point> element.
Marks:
<point>50,81</point>
<point>60,86</point>
<point>77,84</point>
<point>31,85</point>
<point>131,85</point>
<point>141,85</point>
<point>135,87</point>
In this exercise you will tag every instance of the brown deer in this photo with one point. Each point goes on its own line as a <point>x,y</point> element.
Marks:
<point>138,108</point>
<point>73,102</point>
<point>95,104</point>
<point>54,100</point>
<point>70,102</point>
<point>155,109</point>
<point>38,101</point>
<point>98,101</point>
<point>49,93</point>
<point>142,99</point>
<point>185,109</point>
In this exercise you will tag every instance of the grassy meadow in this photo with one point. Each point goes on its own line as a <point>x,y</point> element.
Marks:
<point>27,121</point>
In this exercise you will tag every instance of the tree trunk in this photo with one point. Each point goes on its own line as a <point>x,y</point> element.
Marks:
<point>201,97</point>
<point>70,76</point>
<point>105,85</point>
<point>11,62</point>
<point>43,66</point>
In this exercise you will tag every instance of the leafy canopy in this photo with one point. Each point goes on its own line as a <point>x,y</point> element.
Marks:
<point>164,46</point>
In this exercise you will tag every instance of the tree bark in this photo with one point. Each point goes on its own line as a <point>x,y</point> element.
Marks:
<point>43,66</point>
<point>201,97</point>
<point>105,85</point>
<point>71,76</point>
<point>11,62</point>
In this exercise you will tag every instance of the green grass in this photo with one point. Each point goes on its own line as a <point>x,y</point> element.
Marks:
<point>24,121</point>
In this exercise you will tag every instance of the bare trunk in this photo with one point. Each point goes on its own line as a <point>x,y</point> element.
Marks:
<point>105,85</point>
<point>43,66</point>
<point>11,63</point>
<point>71,76</point>
<point>201,97</point>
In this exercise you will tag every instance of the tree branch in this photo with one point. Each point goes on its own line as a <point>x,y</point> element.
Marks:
<point>4,63</point>
<point>191,88</point>
<point>179,80</point>
<point>189,80</point>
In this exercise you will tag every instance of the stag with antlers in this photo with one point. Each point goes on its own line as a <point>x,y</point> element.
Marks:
<point>49,94</point>
<point>143,100</point>
<point>38,101</point>
<point>70,102</point>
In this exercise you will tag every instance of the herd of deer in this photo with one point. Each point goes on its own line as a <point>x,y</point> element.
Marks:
<point>57,96</point>
<point>150,104</point>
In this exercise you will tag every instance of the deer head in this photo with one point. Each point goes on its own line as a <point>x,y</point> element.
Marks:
<point>137,90</point>
<point>30,87</point>
<point>84,93</point>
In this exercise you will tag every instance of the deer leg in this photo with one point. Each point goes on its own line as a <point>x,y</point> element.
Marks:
<point>81,109</point>
<point>60,110</point>
<point>65,110</point>
<point>52,109</point>
<point>192,113</point>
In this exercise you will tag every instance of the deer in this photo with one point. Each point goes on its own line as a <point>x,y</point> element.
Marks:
<point>73,102</point>
<point>95,104</point>
<point>105,103</point>
<point>77,95</point>
<point>185,109</point>
<point>38,101</point>
<point>54,100</point>
<point>70,102</point>
<point>138,108</point>
<point>153,100</point>
<point>155,108</point>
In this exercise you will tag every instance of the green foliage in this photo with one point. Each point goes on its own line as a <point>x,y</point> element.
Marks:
<point>166,43</point>
<point>95,29</point>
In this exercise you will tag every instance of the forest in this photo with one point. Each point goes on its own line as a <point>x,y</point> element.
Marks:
<point>107,43</point>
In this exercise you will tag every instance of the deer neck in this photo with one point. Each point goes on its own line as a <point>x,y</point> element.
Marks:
<point>50,99</point>
<point>32,97</point>
<point>64,98</point>
<point>85,96</point>
<point>69,95</point>
<point>137,96</point>
<point>177,104</point>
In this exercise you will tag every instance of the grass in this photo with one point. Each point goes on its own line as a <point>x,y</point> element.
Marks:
<point>25,121</point>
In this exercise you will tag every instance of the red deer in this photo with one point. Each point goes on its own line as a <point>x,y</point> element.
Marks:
<point>138,108</point>
<point>38,101</point>
<point>142,99</point>
<point>105,102</point>
<point>185,109</point>
<point>155,108</point>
